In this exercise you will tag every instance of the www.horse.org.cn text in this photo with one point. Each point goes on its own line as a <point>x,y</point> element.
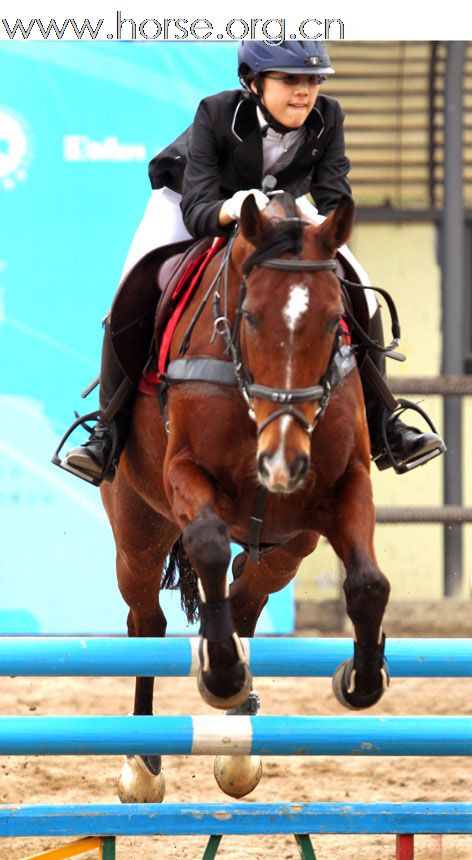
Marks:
<point>123,27</point>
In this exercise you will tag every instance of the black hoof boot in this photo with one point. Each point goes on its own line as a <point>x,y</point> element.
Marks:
<point>249,708</point>
<point>361,681</point>
<point>224,679</point>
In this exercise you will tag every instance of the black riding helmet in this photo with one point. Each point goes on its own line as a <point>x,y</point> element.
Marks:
<point>297,57</point>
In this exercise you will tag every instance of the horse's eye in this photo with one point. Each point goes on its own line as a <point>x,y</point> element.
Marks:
<point>333,325</point>
<point>251,320</point>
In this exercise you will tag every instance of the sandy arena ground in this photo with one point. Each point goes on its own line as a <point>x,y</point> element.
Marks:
<point>190,779</point>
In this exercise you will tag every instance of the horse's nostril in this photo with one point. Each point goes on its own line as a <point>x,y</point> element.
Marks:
<point>262,466</point>
<point>299,467</point>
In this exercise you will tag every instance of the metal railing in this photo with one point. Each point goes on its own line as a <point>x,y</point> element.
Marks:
<point>448,514</point>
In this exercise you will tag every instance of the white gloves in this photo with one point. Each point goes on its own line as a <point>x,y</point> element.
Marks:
<point>232,207</point>
<point>308,210</point>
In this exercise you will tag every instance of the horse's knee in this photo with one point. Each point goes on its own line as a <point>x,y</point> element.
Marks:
<point>366,587</point>
<point>151,622</point>
<point>368,584</point>
<point>207,543</point>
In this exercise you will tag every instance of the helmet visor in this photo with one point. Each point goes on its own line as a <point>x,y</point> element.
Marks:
<point>302,70</point>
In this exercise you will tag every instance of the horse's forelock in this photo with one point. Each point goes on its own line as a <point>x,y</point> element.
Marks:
<point>280,235</point>
<point>287,202</point>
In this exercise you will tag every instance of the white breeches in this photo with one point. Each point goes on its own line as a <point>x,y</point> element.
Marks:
<point>312,213</point>
<point>162,224</point>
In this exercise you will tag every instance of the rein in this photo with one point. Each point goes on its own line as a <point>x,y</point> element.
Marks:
<point>236,372</point>
<point>341,362</point>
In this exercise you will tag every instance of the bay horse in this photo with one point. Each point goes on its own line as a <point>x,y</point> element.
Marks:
<point>272,461</point>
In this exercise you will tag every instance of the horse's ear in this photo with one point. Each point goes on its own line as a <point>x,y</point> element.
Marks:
<point>337,228</point>
<point>251,221</point>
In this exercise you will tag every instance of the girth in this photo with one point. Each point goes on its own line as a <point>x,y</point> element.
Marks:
<point>235,373</point>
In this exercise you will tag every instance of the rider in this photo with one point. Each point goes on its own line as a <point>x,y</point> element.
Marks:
<point>280,124</point>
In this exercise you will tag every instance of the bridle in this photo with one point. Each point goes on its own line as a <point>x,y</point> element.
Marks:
<point>341,362</point>
<point>236,373</point>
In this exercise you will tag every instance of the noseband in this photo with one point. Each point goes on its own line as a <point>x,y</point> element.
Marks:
<point>236,372</point>
<point>340,364</point>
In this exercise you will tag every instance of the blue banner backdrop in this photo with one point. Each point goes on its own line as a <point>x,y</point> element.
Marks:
<point>78,124</point>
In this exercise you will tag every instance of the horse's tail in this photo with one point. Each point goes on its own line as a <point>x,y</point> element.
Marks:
<point>179,573</point>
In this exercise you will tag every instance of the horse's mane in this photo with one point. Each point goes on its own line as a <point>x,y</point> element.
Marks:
<point>281,236</point>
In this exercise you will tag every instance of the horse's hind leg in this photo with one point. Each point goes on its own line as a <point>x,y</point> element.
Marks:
<point>143,539</point>
<point>237,776</point>
<point>254,582</point>
<point>141,779</point>
<point>361,681</point>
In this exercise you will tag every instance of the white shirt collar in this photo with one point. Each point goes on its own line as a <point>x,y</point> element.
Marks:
<point>262,120</point>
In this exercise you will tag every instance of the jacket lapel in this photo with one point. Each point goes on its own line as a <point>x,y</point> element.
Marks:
<point>307,154</point>
<point>247,155</point>
<point>247,137</point>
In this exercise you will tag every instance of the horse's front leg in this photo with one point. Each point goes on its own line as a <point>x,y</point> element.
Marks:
<point>224,679</point>
<point>361,681</point>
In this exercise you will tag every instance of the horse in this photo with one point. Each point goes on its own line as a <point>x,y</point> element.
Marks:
<point>265,443</point>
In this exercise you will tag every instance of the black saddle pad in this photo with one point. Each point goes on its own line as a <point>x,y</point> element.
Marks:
<point>132,314</point>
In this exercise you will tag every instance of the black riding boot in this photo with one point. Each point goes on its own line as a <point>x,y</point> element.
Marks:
<point>409,446</point>
<point>98,457</point>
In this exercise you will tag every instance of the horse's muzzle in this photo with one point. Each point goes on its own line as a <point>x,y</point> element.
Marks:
<point>280,477</point>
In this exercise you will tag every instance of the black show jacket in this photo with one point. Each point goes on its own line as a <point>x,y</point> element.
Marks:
<point>221,153</point>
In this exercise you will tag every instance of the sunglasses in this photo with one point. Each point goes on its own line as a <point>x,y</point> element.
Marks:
<point>297,80</point>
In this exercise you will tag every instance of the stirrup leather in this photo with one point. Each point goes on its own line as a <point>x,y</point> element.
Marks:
<point>387,454</point>
<point>108,470</point>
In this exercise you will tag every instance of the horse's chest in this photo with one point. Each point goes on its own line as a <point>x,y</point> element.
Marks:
<point>284,515</point>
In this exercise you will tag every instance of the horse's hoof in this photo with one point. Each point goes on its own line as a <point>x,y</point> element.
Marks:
<point>345,691</point>
<point>138,785</point>
<point>230,701</point>
<point>238,775</point>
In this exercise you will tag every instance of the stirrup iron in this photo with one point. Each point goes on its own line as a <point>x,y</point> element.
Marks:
<point>400,468</point>
<point>81,421</point>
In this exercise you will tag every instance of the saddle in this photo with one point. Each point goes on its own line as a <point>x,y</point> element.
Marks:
<point>150,293</point>
<point>133,312</point>
<point>170,279</point>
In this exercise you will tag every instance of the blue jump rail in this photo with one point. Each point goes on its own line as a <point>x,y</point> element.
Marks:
<point>178,657</point>
<point>237,735</point>
<point>184,819</point>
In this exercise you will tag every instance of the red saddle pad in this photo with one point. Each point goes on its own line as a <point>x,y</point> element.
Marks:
<point>183,293</point>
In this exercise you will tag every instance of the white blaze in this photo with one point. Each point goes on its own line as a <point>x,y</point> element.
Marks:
<point>278,462</point>
<point>296,306</point>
